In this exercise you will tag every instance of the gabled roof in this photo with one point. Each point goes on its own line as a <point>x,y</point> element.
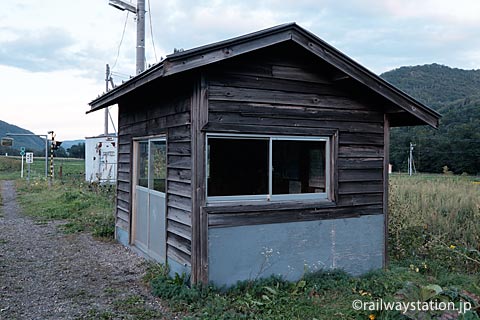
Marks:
<point>201,56</point>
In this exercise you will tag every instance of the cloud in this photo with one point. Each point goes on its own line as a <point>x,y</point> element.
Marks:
<point>53,100</point>
<point>57,35</point>
<point>48,49</point>
<point>463,12</point>
<point>56,51</point>
<point>380,34</point>
<point>35,51</point>
<point>192,24</point>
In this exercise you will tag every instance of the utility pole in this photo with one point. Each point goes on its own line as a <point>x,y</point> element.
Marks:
<point>408,169</point>
<point>410,159</point>
<point>139,10</point>
<point>107,77</point>
<point>140,36</point>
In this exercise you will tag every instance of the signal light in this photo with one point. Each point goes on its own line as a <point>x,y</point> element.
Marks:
<point>56,144</point>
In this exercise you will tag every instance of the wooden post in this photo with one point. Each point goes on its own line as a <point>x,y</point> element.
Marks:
<point>199,116</point>
<point>386,162</point>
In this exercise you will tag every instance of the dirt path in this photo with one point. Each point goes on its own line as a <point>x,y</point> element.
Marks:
<point>45,274</point>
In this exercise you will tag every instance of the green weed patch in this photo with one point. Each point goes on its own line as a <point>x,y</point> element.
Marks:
<point>85,207</point>
<point>320,295</point>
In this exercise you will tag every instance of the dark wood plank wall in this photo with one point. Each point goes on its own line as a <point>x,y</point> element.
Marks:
<point>281,89</point>
<point>169,115</point>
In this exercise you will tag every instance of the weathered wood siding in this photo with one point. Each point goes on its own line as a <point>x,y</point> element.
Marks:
<point>282,92</point>
<point>167,112</point>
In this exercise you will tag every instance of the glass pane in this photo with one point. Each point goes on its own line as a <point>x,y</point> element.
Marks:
<point>237,167</point>
<point>298,167</point>
<point>159,165</point>
<point>142,170</point>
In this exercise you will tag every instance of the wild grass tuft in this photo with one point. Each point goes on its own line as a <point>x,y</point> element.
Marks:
<point>9,168</point>
<point>433,223</point>
<point>83,206</point>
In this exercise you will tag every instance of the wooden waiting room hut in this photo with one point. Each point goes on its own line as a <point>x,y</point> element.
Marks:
<point>263,154</point>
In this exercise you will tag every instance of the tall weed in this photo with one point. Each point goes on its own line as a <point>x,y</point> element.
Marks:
<point>436,218</point>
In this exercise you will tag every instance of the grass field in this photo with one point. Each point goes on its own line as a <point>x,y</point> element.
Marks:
<point>434,239</point>
<point>436,214</point>
<point>10,168</point>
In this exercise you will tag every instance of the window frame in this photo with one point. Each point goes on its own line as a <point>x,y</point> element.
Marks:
<point>270,197</point>
<point>138,163</point>
<point>150,182</point>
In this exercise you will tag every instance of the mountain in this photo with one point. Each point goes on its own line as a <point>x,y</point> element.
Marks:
<point>455,94</point>
<point>33,143</point>
<point>69,143</point>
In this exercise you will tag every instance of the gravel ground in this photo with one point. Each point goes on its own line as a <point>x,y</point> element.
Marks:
<point>45,274</point>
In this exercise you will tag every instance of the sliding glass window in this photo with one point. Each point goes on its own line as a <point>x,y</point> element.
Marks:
<point>151,164</point>
<point>245,167</point>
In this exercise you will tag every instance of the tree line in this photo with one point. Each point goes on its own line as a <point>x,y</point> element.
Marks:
<point>454,94</point>
<point>75,151</point>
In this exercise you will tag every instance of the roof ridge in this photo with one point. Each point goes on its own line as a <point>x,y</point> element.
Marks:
<point>212,53</point>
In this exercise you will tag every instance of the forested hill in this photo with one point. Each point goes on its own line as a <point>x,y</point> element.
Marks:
<point>434,84</point>
<point>454,93</point>
<point>32,143</point>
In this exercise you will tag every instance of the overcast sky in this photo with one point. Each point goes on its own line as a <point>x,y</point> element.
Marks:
<point>53,52</point>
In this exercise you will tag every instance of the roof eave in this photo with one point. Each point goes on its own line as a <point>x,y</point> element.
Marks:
<point>205,55</point>
<point>197,57</point>
<point>356,71</point>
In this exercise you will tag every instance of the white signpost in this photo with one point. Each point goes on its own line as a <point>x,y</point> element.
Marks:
<point>28,160</point>
<point>29,157</point>
<point>22,153</point>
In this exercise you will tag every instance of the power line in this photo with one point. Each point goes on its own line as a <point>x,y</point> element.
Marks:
<point>120,74</point>
<point>121,41</point>
<point>151,31</point>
